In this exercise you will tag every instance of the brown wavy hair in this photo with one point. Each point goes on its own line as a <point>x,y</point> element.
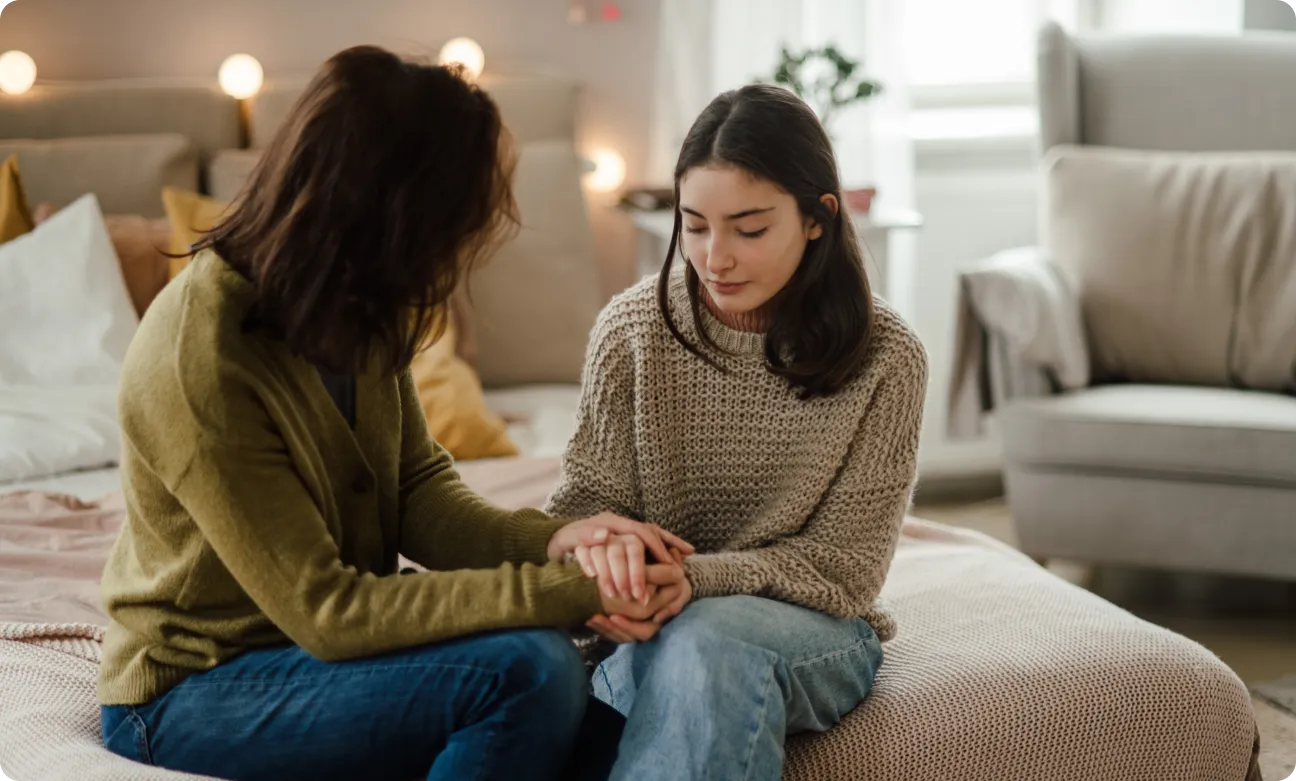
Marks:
<point>818,339</point>
<point>388,181</point>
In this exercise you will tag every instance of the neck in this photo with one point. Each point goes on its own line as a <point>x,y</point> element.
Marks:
<point>757,321</point>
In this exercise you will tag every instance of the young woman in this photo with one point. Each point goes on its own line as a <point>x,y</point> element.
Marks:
<point>764,406</point>
<point>276,461</point>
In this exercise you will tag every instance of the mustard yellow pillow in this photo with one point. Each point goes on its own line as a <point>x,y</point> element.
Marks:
<point>15,215</point>
<point>452,401</point>
<point>191,215</point>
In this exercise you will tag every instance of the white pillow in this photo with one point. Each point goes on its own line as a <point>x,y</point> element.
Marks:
<point>66,320</point>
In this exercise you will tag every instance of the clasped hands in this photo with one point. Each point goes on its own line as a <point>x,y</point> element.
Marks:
<point>639,568</point>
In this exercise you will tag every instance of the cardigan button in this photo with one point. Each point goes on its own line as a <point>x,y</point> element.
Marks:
<point>363,483</point>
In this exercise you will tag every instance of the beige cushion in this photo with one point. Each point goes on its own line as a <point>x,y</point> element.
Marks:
<point>535,301</point>
<point>1183,262</point>
<point>1173,432</point>
<point>126,173</point>
<point>228,171</point>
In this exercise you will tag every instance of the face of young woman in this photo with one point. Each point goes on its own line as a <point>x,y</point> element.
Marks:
<point>744,236</point>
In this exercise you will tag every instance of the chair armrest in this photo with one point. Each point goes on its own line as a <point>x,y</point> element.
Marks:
<point>1020,333</point>
<point>1021,297</point>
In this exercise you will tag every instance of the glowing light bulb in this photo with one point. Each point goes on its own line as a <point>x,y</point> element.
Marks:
<point>241,76</point>
<point>17,72</point>
<point>609,171</point>
<point>467,53</point>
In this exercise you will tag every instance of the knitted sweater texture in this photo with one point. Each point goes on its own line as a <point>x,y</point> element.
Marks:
<point>794,500</point>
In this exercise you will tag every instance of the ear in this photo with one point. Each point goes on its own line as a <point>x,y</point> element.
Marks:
<point>816,229</point>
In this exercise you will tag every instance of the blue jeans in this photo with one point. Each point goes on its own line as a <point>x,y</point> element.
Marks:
<point>716,692</point>
<point>499,706</point>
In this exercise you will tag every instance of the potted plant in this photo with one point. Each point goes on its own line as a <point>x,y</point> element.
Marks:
<point>828,81</point>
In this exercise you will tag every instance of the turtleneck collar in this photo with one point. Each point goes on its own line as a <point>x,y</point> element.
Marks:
<point>733,334</point>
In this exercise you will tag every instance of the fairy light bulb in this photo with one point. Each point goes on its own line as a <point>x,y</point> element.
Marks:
<point>241,76</point>
<point>465,52</point>
<point>17,72</point>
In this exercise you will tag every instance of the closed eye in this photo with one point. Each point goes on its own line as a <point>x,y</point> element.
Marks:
<point>753,234</point>
<point>696,230</point>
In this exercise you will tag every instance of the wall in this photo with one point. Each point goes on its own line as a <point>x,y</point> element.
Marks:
<point>977,197</point>
<point>96,39</point>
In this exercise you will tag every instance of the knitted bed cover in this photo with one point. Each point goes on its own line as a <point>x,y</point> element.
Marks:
<point>49,717</point>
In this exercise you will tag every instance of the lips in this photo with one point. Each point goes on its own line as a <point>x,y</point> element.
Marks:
<point>726,288</point>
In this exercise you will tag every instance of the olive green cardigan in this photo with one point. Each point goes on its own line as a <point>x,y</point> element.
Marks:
<point>256,516</point>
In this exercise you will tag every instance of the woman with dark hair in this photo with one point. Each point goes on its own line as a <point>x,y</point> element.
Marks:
<point>765,406</point>
<point>277,461</point>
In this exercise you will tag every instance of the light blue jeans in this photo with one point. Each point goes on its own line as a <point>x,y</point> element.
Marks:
<point>716,692</point>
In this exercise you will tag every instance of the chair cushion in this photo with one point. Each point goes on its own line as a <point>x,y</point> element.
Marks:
<point>1182,262</point>
<point>1166,431</point>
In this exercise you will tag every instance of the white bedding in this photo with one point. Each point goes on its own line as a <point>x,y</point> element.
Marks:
<point>66,320</point>
<point>87,485</point>
<point>542,418</point>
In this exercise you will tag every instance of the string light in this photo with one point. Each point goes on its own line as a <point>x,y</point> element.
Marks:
<point>466,52</point>
<point>17,72</point>
<point>241,76</point>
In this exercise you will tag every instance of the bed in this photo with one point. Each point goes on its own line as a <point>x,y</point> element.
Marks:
<point>1000,670</point>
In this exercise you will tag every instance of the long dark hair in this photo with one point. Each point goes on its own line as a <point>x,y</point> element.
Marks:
<point>818,338</point>
<point>386,183</point>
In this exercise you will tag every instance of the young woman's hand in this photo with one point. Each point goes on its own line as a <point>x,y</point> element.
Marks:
<point>673,609</point>
<point>640,623</point>
<point>619,565</point>
<point>600,528</point>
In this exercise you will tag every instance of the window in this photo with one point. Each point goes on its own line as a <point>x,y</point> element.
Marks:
<point>953,42</point>
<point>971,65</point>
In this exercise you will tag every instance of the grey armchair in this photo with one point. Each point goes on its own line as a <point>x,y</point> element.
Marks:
<point>1142,361</point>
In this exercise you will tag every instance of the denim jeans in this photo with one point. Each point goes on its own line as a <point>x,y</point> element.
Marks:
<point>715,693</point>
<point>508,705</point>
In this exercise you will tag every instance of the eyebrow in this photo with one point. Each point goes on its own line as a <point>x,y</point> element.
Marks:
<point>738,216</point>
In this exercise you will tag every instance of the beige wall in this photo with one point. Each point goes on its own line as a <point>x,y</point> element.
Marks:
<point>92,39</point>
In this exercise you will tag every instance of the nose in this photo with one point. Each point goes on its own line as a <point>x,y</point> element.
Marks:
<point>719,259</point>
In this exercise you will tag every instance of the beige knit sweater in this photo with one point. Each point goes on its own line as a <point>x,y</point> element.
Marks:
<point>794,500</point>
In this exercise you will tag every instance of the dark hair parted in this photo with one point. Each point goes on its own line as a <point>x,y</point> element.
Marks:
<point>818,338</point>
<point>387,182</point>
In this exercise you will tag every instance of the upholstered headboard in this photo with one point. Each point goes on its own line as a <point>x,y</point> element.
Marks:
<point>122,140</point>
<point>534,302</point>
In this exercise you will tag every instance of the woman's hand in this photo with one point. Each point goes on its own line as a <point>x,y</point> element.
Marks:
<point>618,565</point>
<point>601,529</point>
<point>641,623</point>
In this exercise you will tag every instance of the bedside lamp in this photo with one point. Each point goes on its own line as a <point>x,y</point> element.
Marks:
<point>605,171</point>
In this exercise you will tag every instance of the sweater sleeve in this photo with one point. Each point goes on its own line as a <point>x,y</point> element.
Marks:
<point>250,504</point>
<point>599,469</point>
<point>839,559</point>
<point>444,524</point>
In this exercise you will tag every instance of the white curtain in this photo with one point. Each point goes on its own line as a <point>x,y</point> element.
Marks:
<point>709,46</point>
